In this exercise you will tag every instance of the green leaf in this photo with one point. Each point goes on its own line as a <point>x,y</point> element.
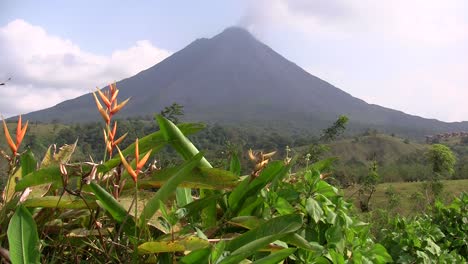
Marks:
<point>154,141</point>
<point>276,256</point>
<point>284,207</point>
<point>251,188</point>
<point>65,201</point>
<point>336,257</point>
<point>168,189</point>
<point>202,178</point>
<point>28,163</point>
<point>235,165</point>
<point>196,207</point>
<point>197,256</point>
<point>380,254</point>
<point>179,245</point>
<point>174,136</point>
<point>46,175</point>
<point>217,251</point>
<point>255,239</point>
<point>313,209</point>
<point>247,222</point>
<point>23,238</point>
<point>300,242</point>
<point>187,150</point>
<point>113,207</point>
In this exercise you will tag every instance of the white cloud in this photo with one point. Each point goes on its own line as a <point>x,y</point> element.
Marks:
<point>407,55</point>
<point>47,69</point>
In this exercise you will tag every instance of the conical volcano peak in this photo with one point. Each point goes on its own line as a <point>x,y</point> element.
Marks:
<point>235,33</point>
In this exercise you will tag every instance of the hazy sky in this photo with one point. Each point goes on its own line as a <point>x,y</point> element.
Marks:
<point>407,55</point>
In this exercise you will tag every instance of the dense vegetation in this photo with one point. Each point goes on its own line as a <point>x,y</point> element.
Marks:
<point>138,201</point>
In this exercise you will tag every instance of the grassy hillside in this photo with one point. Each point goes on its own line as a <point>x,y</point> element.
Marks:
<point>384,148</point>
<point>407,192</point>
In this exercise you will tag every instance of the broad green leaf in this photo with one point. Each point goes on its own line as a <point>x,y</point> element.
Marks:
<point>336,257</point>
<point>187,150</point>
<point>196,207</point>
<point>174,136</point>
<point>28,163</point>
<point>179,245</point>
<point>44,175</point>
<point>217,251</point>
<point>168,189</point>
<point>313,209</point>
<point>251,188</point>
<point>235,165</point>
<point>251,204</point>
<point>380,254</point>
<point>202,178</point>
<point>256,239</point>
<point>335,236</point>
<point>183,196</point>
<point>67,202</point>
<point>300,242</point>
<point>23,238</point>
<point>197,256</point>
<point>113,207</point>
<point>284,207</point>
<point>154,141</point>
<point>276,257</point>
<point>247,222</point>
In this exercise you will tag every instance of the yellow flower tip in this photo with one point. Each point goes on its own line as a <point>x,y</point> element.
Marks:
<point>118,141</point>
<point>114,96</point>
<point>137,151</point>
<point>251,155</point>
<point>118,107</point>
<point>104,98</point>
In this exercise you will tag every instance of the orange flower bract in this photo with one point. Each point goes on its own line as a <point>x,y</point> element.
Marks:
<point>20,132</point>
<point>139,163</point>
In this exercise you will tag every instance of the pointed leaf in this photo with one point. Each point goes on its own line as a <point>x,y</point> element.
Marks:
<point>235,166</point>
<point>23,238</point>
<point>154,141</point>
<point>276,257</point>
<point>113,207</point>
<point>168,189</point>
<point>185,244</point>
<point>250,242</point>
<point>66,202</point>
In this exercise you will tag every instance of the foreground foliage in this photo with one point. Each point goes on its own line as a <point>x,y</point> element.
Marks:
<point>439,237</point>
<point>128,208</point>
<point>224,218</point>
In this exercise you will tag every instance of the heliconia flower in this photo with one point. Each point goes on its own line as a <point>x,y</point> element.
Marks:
<point>20,132</point>
<point>139,163</point>
<point>101,110</point>
<point>10,142</point>
<point>109,137</point>
<point>118,107</point>
<point>104,98</point>
<point>109,98</point>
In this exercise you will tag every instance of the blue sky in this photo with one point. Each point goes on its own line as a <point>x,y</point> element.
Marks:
<point>411,56</point>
